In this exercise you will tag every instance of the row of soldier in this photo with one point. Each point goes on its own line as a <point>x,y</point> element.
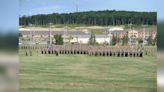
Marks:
<point>92,50</point>
<point>150,51</point>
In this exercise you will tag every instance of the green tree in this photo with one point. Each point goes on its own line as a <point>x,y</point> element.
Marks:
<point>92,39</point>
<point>125,39</point>
<point>114,40</point>
<point>106,17</point>
<point>150,40</point>
<point>58,39</point>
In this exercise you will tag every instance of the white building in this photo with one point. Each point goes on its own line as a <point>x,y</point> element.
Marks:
<point>116,28</point>
<point>84,39</point>
<point>102,39</point>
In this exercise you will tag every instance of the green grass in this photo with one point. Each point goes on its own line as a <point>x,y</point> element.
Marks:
<point>79,73</point>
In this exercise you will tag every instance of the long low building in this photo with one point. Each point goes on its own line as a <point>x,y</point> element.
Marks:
<point>69,36</point>
<point>45,33</point>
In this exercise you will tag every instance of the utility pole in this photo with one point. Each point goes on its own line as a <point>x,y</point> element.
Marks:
<point>133,38</point>
<point>132,33</point>
<point>30,32</point>
<point>65,34</point>
<point>143,35</point>
<point>106,29</point>
<point>30,42</point>
<point>50,39</point>
<point>110,35</point>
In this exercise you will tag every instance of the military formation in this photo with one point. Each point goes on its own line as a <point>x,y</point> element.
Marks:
<point>90,50</point>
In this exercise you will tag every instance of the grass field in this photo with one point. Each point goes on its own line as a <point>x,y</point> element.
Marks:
<point>50,73</point>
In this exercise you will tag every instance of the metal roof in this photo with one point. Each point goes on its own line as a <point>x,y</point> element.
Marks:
<point>78,34</point>
<point>53,32</point>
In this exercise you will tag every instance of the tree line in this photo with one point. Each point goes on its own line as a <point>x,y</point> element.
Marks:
<point>102,18</point>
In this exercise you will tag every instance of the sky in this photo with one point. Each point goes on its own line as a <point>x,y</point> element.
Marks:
<point>160,10</point>
<point>9,18</point>
<point>29,7</point>
<point>32,7</point>
<point>10,10</point>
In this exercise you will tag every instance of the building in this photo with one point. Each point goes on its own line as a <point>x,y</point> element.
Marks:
<point>118,33</point>
<point>132,33</point>
<point>84,39</point>
<point>69,36</point>
<point>146,34</point>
